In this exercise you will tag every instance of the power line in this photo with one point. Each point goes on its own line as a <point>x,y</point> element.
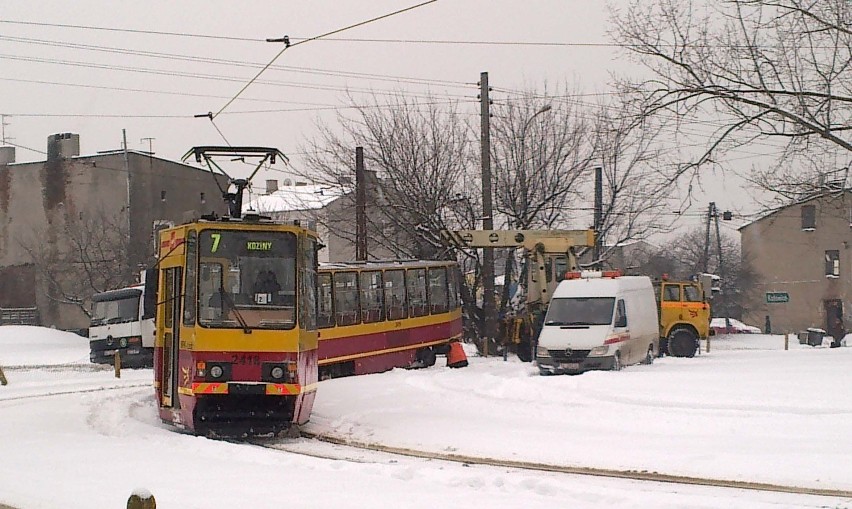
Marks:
<point>215,77</point>
<point>236,63</point>
<point>287,45</point>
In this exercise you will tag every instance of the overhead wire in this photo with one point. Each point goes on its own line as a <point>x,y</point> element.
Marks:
<point>289,45</point>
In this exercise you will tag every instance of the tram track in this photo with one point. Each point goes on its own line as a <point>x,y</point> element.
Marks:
<point>633,475</point>
<point>288,445</point>
<point>74,391</point>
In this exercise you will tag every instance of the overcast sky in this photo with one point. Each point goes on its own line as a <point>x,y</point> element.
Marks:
<point>96,82</point>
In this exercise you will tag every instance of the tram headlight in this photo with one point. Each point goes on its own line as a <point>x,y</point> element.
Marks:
<point>216,371</point>
<point>123,343</point>
<point>279,372</point>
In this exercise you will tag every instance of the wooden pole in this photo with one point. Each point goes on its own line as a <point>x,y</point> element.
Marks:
<point>141,501</point>
<point>117,364</point>
<point>786,341</point>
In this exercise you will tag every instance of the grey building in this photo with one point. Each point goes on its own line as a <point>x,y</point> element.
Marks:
<point>801,254</point>
<point>73,212</point>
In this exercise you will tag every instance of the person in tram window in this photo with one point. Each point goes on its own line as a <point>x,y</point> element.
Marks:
<point>266,287</point>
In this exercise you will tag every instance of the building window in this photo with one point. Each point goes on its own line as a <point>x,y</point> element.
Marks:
<point>808,218</point>
<point>163,195</point>
<point>832,264</point>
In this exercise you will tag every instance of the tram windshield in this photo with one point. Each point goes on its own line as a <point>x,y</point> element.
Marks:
<point>247,279</point>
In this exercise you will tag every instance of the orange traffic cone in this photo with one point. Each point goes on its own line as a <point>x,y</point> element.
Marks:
<point>456,357</point>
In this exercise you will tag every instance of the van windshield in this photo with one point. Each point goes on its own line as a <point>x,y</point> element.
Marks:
<point>580,311</point>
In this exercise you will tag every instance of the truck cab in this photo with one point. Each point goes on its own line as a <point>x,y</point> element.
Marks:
<point>684,315</point>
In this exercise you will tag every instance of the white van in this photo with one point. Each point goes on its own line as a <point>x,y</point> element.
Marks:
<point>599,320</point>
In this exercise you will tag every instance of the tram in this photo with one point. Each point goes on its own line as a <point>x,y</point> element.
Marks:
<point>236,337</point>
<point>378,315</point>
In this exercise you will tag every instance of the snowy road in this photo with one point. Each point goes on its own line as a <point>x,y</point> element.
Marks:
<point>758,415</point>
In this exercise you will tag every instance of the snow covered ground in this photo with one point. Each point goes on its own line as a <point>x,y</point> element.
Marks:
<point>748,410</point>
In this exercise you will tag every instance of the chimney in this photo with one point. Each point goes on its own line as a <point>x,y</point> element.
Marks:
<point>7,155</point>
<point>63,145</point>
<point>271,186</point>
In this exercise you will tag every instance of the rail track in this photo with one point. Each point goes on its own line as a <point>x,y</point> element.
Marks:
<point>291,446</point>
<point>633,475</point>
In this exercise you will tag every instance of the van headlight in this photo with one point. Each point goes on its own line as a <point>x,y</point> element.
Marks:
<point>599,350</point>
<point>541,351</point>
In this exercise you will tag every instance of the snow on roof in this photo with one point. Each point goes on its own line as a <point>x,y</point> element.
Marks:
<point>289,198</point>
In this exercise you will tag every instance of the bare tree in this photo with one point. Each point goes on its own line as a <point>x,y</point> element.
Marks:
<point>93,257</point>
<point>761,70</point>
<point>637,178</point>
<point>541,154</point>
<point>683,258</point>
<point>421,153</point>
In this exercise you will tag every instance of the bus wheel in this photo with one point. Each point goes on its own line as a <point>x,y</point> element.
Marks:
<point>682,343</point>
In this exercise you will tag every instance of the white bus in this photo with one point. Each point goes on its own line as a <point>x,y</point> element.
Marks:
<point>120,324</point>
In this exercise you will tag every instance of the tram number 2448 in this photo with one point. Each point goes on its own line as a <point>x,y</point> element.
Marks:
<point>252,360</point>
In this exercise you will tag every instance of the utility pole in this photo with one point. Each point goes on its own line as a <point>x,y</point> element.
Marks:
<point>489,310</point>
<point>598,213</point>
<point>706,259</point>
<point>360,206</point>
<point>3,125</point>
<point>721,267</point>
<point>150,150</point>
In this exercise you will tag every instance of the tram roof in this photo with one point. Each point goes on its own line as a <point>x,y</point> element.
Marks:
<point>383,264</point>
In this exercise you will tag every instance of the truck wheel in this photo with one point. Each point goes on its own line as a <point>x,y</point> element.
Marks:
<point>616,361</point>
<point>682,343</point>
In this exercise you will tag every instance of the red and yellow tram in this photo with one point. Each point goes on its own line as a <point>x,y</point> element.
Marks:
<point>236,333</point>
<point>375,316</point>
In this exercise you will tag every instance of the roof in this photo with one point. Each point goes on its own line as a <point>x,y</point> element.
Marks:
<point>793,204</point>
<point>290,198</point>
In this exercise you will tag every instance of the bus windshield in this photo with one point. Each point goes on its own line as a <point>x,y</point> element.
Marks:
<point>580,311</point>
<point>247,279</point>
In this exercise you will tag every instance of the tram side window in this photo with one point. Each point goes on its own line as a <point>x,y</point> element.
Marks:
<point>346,298</point>
<point>395,294</point>
<point>325,308</point>
<point>418,301</point>
<point>372,299</point>
<point>438,289</point>
<point>189,279</point>
<point>453,285</point>
<point>308,284</point>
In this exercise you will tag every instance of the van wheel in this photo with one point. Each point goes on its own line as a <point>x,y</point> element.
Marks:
<point>682,343</point>
<point>525,351</point>
<point>649,357</point>
<point>616,361</point>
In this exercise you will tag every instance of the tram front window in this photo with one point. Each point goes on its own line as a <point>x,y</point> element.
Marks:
<point>247,279</point>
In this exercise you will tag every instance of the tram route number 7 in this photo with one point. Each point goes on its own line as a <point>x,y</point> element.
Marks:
<point>216,238</point>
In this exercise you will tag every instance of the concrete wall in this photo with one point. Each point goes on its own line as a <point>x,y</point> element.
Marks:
<point>788,259</point>
<point>38,202</point>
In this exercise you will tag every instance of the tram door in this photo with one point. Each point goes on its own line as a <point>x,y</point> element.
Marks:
<point>171,336</point>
